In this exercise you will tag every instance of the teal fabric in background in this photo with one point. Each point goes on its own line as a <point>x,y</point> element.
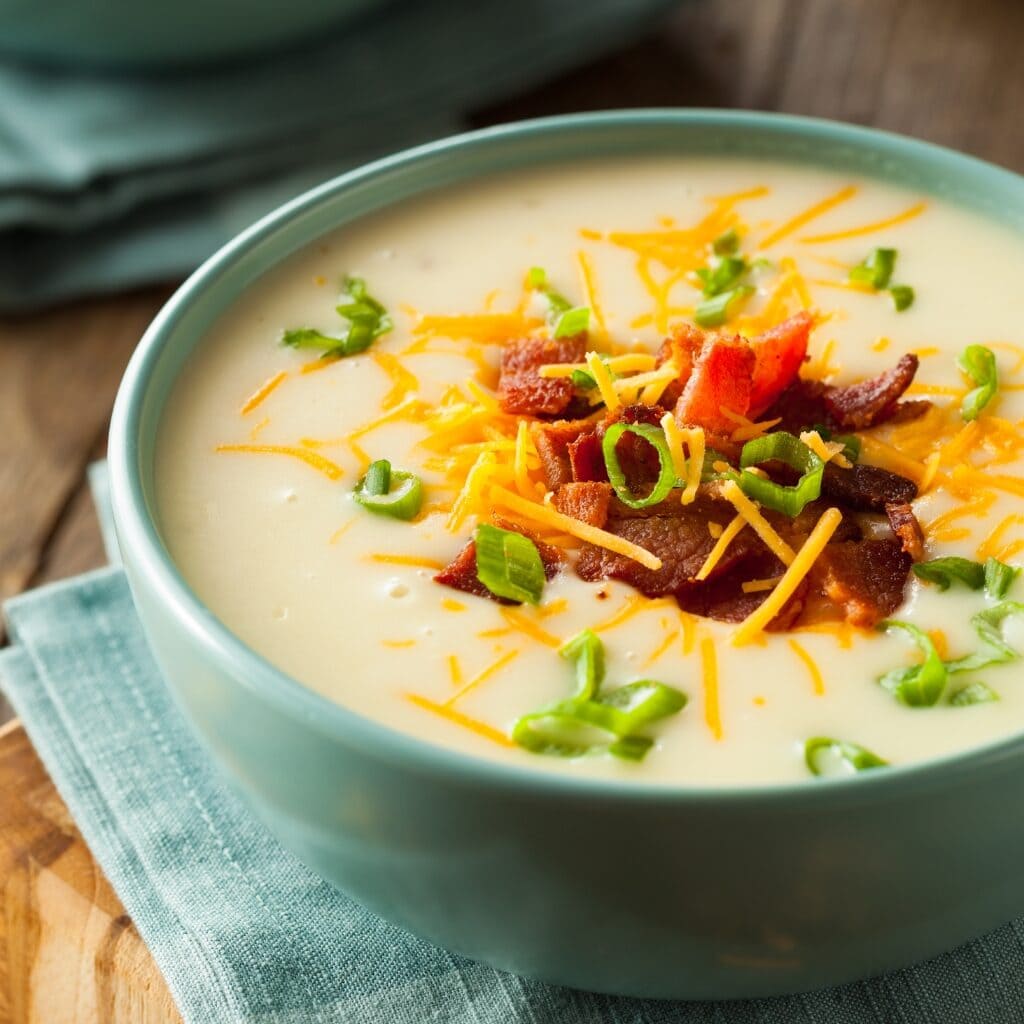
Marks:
<point>244,934</point>
<point>112,180</point>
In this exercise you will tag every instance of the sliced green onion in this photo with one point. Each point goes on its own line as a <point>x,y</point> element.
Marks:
<point>557,733</point>
<point>782,447</point>
<point>566,319</point>
<point>917,686</point>
<point>722,275</point>
<point>666,474</point>
<point>367,321</point>
<point>902,296</point>
<point>642,702</point>
<point>389,492</point>
<point>944,571</point>
<point>999,577</point>
<point>826,756</point>
<point>509,564</point>
<point>590,721</point>
<point>583,381</point>
<point>586,652</point>
<point>994,648</point>
<point>631,748</point>
<point>851,445</point>
<point>716,311</point>
<point>973,693</point>
<point>378,478</point>
<point>876,270</point>
<point>572,322</point>
<point>979,364</point>
<point>727,243</point>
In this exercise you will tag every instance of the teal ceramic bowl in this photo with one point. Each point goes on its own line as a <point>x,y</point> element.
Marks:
<point>618,887</point>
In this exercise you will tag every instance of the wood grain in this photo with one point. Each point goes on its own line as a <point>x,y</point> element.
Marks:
<point>68,951</point>
<point>943,70</point>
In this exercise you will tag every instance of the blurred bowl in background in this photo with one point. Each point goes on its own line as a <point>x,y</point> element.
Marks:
<point>133,34</point>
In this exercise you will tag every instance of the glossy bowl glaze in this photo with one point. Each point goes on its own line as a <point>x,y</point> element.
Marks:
<point>617,887</point>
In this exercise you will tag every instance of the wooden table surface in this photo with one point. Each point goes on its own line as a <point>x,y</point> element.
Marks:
<point>945,70</point>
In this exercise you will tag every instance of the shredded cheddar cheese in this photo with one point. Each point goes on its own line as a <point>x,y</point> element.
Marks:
<point>412,560</point>
<point>817,682</point>
<point>574,527</point>
<point>488,732</point>
<point>263,391</point>
<point>402,381</point>
<point>727,536</point>
<point>752,514</point>
<point>759,586</point>
<point>603,379</point>
<point>483,676</point>
<point>868,229</point>
<point>331,470</point>
<point>520,621</point>
<point>750,628</point>
<point>471,494</point>
<point>709,670</point>
<point>812,213</point>
<point>827,451</point>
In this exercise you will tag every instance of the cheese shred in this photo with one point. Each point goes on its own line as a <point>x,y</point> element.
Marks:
<point>753,624</point>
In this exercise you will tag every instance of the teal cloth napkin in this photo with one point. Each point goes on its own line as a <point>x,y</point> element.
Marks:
<point>244,934</point>
<point>109,180</point>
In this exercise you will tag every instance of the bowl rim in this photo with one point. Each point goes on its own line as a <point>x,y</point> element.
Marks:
<point>137,532</point>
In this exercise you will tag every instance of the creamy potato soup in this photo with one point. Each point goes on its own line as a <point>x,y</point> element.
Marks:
<point>675,470</point>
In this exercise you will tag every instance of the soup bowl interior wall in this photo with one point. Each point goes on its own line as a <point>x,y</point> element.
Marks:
<point>612,886</point>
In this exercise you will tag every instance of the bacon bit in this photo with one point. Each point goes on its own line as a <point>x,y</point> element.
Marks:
<point>458,718</point>
<point>812,667</point>
<point>867,229</point>
<point>721,378</point>
<point>709,668</point>
<point>812,213</point>
<point>331,470</point>
<point>779,353</point>
<point>907,529</point>
<point>261,393</point>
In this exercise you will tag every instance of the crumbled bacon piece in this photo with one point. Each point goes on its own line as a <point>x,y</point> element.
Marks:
<point>800,406</point>
<point>682,347</point>
<point>724,599</point>
<point>906,527</point>
<point>870,401</point>
<point>552,442</point>
<point>679,536</point>
<point>778,354</point>
<point>460,573</point>
<point>864,579</point>
<point>521,389</point>
<point>866,488</point>
<point>586,460</point>
<point>587,501</point>
<point>721,379</point>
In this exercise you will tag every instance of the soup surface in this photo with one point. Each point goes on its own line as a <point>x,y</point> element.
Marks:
<point>263,444</point>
